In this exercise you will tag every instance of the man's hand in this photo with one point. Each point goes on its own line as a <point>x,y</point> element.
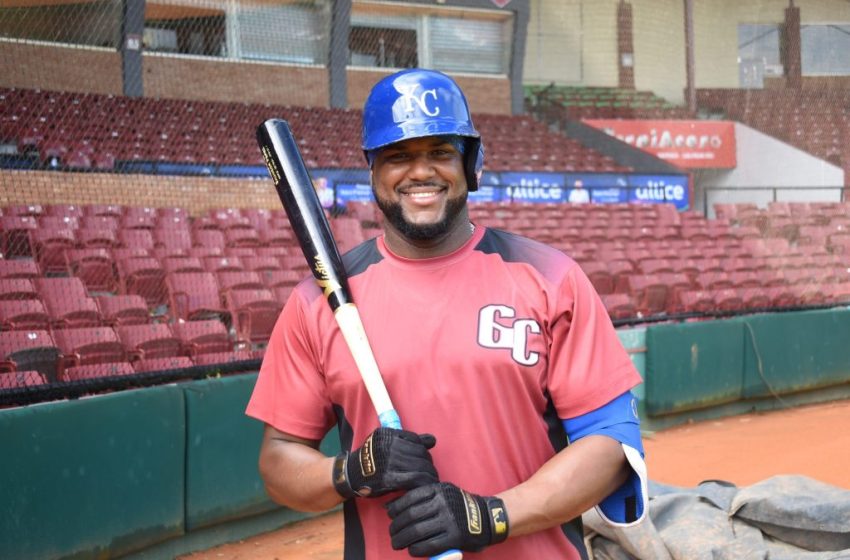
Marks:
<point>389,460</point>
<point>438,517</point>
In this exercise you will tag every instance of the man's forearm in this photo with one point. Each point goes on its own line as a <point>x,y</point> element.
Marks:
<point>297,475</point>
<point>566,486</point>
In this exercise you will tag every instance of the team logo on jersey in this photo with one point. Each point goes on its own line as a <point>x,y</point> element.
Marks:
<point>492,333</point>
<point>408,95</point>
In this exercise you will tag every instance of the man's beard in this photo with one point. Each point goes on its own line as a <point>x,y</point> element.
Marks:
<point>394,213</point>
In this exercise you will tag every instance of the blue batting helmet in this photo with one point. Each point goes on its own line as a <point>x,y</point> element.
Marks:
<point>416,103</point>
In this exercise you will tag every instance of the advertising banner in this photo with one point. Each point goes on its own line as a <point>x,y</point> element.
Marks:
<point>686,144</point>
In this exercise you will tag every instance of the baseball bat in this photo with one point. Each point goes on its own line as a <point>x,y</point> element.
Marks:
<point>312,230</point>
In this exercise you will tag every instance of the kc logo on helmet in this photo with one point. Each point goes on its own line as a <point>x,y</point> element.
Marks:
<point>408,95</point>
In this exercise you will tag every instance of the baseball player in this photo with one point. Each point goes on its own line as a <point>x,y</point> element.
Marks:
<point>502,362</point>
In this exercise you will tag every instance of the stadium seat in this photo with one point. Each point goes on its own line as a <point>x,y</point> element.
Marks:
<point>212,238</point>
<point>95,267</point>
<point>241,237</point>
<point>202,337</point>
<point>649,292</point>
<point>23,314</point>
<point>118,310</point>
<point>728,299</point>
<point>96,371</point>
<point>599,275</point>
<point>619,305</point>
<point>700,301</point>
<point>174,241</point>
<point>144,277</point>
<point>282,278</point>
<point>136,239</point>
<point>214,358</point>
<point>14,236</point>
<point>147,341</point>
<point>113,210</point>
<point>261,264</point>
<point>19,268</point>
<point>48,247</point>
<point>222,264</point>
<point>26,378</point>
<point>194,296</point>
<point>254,312</point>
<point>91,237</point>
<point>238,280</point>
<point>29,350</point>
<point>176,264</point>
<point>168,363</point>
<point>17,288</point>
<point>67,311</point>
<point>276,237</point>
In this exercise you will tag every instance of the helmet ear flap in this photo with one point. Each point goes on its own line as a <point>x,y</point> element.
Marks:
<point>473,162</point>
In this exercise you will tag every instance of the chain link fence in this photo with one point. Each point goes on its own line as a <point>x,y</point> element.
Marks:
<point>142,241</point>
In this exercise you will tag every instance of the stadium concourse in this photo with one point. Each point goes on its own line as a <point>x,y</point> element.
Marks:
<point>743,450</point>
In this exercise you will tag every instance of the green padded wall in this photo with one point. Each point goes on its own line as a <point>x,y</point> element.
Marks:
<point>223,445</point>
<point>797,351</point>
<point>693,365</point>
<point>93,477</point>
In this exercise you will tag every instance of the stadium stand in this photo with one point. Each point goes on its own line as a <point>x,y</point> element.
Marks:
<point>110,129</point>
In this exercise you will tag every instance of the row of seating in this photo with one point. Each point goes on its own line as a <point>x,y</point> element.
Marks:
<point>92,131</point>
<point>87,352</point>
<point>817,121</point>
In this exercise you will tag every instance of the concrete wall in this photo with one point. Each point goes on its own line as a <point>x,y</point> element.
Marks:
<point>764,161</point>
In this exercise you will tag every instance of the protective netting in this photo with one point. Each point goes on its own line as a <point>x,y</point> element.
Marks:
<point>141,239</point>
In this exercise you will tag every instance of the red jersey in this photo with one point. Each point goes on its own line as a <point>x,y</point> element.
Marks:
<point>487,348</point>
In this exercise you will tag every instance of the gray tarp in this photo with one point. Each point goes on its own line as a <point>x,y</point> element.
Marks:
<point>787,517</point>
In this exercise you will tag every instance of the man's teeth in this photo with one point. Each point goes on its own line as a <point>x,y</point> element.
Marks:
<point>421,194</point>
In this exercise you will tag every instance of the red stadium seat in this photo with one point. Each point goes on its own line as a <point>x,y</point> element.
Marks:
<point>255,312</point>
<point>599,275</point>
<point>239,280</point>
<point>619,305</point>
<point>97,371</point>
<point>27,378</point>
<point>145,277</point>
<point>29,350</point>
<point>136,238</point>
<point>176,264</point>
<point>163,364</point>
<point>23,314</point>
<point>222,264</point>
<point>123,310</point>
<point>88,345</point>
<point>95,267</point>
<point>194,296</point>
<point>147,341</point>
<point>14,236</point>
<point>19,268</point>
<point>17,288</point>
<point>202,337</point>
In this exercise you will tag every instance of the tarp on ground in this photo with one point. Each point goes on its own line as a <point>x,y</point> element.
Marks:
<point>781,518</point>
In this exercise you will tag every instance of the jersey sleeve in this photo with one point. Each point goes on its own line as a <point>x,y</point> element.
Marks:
<point>588,364</point>
<point>290,390</point>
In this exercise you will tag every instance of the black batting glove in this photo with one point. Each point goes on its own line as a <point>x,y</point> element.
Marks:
<point>388,460</point>
<point>432,519</point>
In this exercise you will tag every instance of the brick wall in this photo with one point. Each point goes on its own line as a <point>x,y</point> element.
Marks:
<point>212,79</point>
<point>197,194</point>
<point>50,67</point>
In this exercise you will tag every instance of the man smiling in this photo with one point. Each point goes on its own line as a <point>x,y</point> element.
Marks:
<point>498,354</point>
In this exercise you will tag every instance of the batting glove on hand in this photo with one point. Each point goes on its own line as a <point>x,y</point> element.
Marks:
<point>389,460</point>
<point>438,517</point>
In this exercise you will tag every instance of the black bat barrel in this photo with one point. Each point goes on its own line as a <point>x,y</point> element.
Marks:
<point>306,215</point>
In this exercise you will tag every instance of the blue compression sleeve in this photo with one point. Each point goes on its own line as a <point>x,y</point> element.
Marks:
<point>618,420</point>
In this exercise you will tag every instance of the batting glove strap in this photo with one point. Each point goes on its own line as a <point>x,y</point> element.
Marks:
<point>433,519</point>
<point>341,484</point>
<point>388,460</point>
